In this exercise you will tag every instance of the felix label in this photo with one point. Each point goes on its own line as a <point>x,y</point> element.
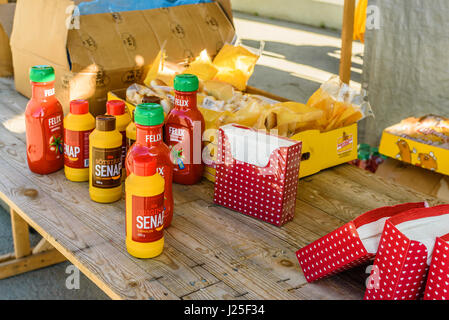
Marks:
<point>53,135</point>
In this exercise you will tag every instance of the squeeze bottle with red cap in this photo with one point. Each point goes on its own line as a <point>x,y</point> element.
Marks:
<point>184,130</point>
<point>117,109</point>
<point>149,119</point>
<point>43,120</point>
<point>78,125</point>
<point>144,189</point>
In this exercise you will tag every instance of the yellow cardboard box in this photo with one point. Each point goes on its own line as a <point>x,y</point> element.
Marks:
<point>414,152</point>
<point>320,150</point>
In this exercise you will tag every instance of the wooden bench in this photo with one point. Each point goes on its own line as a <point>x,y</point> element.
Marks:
<point>210,252</point>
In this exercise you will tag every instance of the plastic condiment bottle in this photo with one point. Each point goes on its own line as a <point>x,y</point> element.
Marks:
<point>184,130</point>
<point>78,125</point>
<point>131,128</point>
<point>105,161</point>
<point>130,133</point>
<point>149,119</point>
<point>144,208</point>
<point>44,123</point>
<point>117,109</point>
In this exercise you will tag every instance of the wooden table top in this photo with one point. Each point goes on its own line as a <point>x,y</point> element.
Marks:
<point>210,252</point>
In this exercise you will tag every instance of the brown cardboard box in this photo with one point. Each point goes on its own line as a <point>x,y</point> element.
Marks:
<point>111,50</point>
<point>419,179</point>
<point>6,20</point>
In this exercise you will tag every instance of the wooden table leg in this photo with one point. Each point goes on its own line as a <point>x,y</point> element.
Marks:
<point>20,235</point>
<point>346,40</point>
<point>24,258</point>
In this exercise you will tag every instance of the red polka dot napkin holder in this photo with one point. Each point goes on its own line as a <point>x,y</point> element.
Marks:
<point>343,248</point>
<point>257,173</point>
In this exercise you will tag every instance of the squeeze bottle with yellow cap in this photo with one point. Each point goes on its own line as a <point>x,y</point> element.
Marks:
<point>78,125</point>
<point>144,188</point>
<point>117,109</point>
<point>105,161</point>
<point>130,133</point>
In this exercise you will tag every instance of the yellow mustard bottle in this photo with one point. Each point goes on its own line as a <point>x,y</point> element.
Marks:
<point>117,109</point>
<point>105,159</point>
<point>78,125</point>
<point>144,189</point>
<point>130,133</point>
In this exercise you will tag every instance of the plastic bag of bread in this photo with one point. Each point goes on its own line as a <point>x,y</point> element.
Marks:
<point>162,70</point>
<point>235,65</point>
<point>341,105</point>
<point>157,93</point>
<point>429,129</point>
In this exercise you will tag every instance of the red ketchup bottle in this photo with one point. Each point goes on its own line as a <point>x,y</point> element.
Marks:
<point>44,123</point>
<point>149,119</point>
<point>184,130</point>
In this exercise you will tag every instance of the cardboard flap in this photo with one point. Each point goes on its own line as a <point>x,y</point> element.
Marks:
<point>40,27</point>
<point>7,17</point>
<point>133,39</point>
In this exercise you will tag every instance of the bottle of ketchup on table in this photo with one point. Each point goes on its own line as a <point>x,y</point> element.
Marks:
<point>149,119</point>
<point>184,130</point>
<point>44,123</point>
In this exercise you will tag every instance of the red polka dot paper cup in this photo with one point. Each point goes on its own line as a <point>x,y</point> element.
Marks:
<point>351,245</point>
<point>437,286</point>
<point>405,252</point>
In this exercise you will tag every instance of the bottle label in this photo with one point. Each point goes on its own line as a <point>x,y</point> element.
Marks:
<point>147,218</point>
<point>53,135</point>
<point>179,144</point>
<point>76,148</point>
<point>106,167</point>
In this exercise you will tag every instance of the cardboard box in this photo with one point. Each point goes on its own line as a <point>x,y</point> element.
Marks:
<point>257,173</point>
<point>108,51</point>
<point>6,21</point>
<point>417,153</point>
<point>419,179</point>
<point>320,150</point>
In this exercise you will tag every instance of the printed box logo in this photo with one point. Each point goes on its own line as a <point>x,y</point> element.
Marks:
<point>344,144</point>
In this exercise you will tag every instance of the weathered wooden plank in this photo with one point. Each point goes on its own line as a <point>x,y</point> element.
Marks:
<point>344,198</point>
<point>265,265</point>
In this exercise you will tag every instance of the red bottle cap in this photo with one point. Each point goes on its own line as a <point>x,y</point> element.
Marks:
<point>79,106</point>
<point>115,107</point>
<point>143,166</point>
